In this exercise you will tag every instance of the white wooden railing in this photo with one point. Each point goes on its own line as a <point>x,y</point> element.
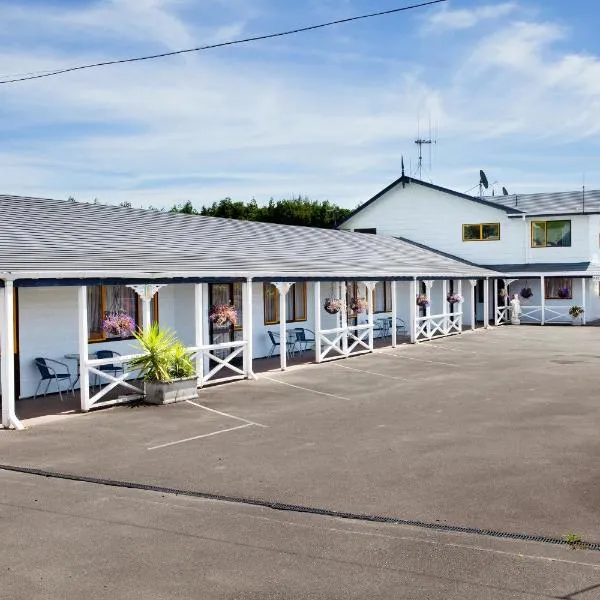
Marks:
<point>209,351</point>
<point>438,325</point>
<point>502,315</point>
<point>341,342</point>
<point>549,314</point>
<point>201,354</point>
<point>94,374</point>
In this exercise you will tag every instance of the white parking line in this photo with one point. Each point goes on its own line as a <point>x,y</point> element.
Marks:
<point>370,372</point>
<point>218,412</point>
<point>434,362</point>
<point>199,437</point>
<point>305,389</point>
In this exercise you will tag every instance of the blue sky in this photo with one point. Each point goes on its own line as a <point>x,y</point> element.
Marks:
<point>512,87</point>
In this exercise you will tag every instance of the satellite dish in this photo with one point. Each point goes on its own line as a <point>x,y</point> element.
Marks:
<point>483,180</point>
<point>505,191</point>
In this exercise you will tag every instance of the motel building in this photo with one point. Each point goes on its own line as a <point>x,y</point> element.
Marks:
<point>64,266</point>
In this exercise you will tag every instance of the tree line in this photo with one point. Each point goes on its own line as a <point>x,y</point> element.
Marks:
<point>293,211</point>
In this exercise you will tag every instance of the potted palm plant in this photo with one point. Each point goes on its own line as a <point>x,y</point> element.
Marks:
<point>166,367</point>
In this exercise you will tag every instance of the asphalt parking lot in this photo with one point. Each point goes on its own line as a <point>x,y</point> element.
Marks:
<point>493,430</point>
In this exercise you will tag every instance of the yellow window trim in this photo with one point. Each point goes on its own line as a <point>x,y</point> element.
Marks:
<point>99,336</point>
<point>276,322</point>
<point>545,224</point>
<point>480,239</point>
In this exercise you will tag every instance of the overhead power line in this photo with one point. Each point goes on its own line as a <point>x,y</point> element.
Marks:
<point>42,74</point>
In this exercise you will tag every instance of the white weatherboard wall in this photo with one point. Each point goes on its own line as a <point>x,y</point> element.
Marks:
<point>435,218</point>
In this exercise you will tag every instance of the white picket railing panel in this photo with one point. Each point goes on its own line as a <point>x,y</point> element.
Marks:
<point>440,325</point>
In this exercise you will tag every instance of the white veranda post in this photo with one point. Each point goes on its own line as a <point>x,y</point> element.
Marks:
<point>461,304</point>
<point>583,299</point>
<point>496,320</point>
<point>146,293</point>
<point>543,298</point>
<point>283,288</point>
<point>428,286</point>
<point>412,307</point>
<point>473,283</point>
<point>486,303</point>
<point>343,315</point>
<point>394,312</point>
<point>446,305</point>
<point>370,285</point>
<point>84,374</point>
<point>247,327</point>
<point>9,417</point>
<point>317,307</point>
<point>199,330</point>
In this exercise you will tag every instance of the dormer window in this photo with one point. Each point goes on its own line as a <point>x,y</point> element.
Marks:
<point>550,234</point>
<point>481,232</point>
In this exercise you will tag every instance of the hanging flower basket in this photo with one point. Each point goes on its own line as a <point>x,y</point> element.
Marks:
<point>503,293</point>
<point>454,298</point>
<point>333,305</point>
<point>118,324</point>
<point>564,293</point>
<point>576,311</point>
<point>223,314</point>
<point>359,305</point>
<point>526,292</point>
<point>422,301</point>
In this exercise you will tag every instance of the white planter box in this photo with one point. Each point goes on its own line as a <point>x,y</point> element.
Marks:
<point>177,390</point>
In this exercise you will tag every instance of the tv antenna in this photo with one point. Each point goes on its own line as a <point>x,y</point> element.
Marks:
<point>504,191</point>
<point>424,142</point>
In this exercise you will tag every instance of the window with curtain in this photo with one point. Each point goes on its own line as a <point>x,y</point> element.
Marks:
<point>559,288</point>
<point>295,303</point>
<point>105,299</point>
<point>383,297</point>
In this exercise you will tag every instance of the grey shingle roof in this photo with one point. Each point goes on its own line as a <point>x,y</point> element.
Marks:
<point>43,238</point>
<point>555,203</point>
<point>555,268</point>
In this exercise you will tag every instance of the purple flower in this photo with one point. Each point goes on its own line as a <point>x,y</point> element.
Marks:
<point>118,323</point>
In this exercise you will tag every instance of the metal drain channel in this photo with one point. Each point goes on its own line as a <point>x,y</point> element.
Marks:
<point>305,509</point>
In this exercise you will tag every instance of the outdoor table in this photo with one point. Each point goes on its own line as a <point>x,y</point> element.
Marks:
<point>75,356</point>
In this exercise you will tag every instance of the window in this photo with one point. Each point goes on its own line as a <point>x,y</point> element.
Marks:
<point>105,299</point>
<point>295,303</point>
<point>545,234</point>
<point>559,288</point>
<point>481,232</point>
<point>383,296</point>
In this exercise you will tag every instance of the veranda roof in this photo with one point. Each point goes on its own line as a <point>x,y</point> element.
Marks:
<point>59,240</point>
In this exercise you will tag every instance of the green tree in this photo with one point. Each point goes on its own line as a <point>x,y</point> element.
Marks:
<point>293,211</point>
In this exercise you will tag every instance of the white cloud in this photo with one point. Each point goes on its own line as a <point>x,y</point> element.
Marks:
<point>234,124</point>
<point>464,18</point>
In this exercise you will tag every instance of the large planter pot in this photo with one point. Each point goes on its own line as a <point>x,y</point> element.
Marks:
<point>178,390</point>
<point>577,321</point>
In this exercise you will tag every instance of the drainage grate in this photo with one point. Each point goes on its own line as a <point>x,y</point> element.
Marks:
<point>305,509</point>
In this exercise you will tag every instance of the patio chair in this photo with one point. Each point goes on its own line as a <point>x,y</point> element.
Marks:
<point>275,342</point>
<point>48,369</point>
<point>303,340</point>
<point>401,327</point>
<point>382,327</point>
<point>113,369</point>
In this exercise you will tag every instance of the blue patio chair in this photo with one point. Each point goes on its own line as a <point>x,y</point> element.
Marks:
<point>303,340</point>
<point>113,369</point>
<point>275,342</point>
<point>381,327</point>
<point>49,373</point>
